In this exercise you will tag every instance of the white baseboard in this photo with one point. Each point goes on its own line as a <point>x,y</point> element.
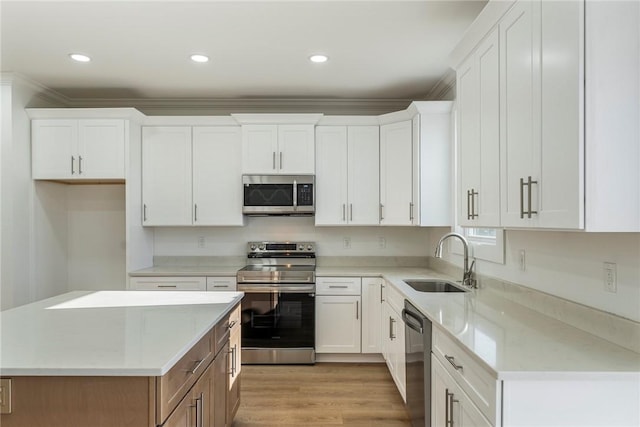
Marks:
<point>349,358</point>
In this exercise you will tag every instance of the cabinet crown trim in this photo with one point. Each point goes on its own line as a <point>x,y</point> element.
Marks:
<point>309,119</point>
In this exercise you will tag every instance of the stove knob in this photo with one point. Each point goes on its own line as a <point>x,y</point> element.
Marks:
<point>253,247</point>
<point>310,247</point>
<point>301,247</point>
<point>261,247</point>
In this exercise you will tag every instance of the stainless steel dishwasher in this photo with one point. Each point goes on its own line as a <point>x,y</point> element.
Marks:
<point>418,364</point>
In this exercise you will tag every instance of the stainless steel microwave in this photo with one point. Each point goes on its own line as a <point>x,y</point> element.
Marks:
<point>278,195</point>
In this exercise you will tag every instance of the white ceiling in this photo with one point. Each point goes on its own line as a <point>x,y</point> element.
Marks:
<point>258,49</point>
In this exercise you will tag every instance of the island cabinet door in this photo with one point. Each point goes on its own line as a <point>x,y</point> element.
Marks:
<point>220,389</point>
<point>195,409</point>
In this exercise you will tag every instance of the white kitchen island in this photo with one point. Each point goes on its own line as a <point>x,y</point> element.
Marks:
<point>117,358</point>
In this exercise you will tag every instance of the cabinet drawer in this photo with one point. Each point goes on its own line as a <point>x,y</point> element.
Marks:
<point>338,285</point>
<point>174,385</point>
<point>221,284</point>
<point>234,320</point>
<point>168,284</point>
<point>474,379</point>
<point>221,333</point>
<point>392,296</point>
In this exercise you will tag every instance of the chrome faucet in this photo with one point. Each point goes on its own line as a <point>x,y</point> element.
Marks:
<point>467,276</point>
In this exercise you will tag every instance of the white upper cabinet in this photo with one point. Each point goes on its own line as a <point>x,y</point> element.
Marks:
<point>278,149</point>
<point>347,164</point>
<point>569,110</point>
<point>217,170</point>
<point>396,175</point>
<point>78,149</point>
<point>166,175</point>
<point>188,175</point>
<point>478,98</point>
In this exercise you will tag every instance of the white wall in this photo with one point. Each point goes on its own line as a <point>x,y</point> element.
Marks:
<point>232,241</point>
<point>569,265</point>
<point>96,247</point>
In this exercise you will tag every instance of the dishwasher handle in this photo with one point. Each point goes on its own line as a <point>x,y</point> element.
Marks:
<point>410,319</point>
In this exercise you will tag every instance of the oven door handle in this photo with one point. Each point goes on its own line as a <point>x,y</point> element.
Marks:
<point>275,289</point>
<point>243,281</point>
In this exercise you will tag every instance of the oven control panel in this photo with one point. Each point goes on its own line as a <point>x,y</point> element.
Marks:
<point>280,247</point>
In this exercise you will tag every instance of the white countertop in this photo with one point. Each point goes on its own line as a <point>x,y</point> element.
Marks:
<point>108,333</point>
<point>509,339</point>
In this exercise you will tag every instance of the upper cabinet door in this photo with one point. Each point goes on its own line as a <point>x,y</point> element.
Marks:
<point>260,149</point>
<point>54,146</point>
<point>217,184</point>
<point>479,136</point>
<point>331,178</point>
<point>364,175</point>
<point>101,149</point>
<point>296,149</point>
<point>396,176</point>
<point>520,113</point>
<point>166,175</point>
<point>78,149</point>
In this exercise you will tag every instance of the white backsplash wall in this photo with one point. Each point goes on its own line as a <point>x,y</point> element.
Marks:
<point>568,265</point>
<point>232,241</point>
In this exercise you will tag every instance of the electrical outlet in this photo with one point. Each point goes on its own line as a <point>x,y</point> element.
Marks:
<point>382,242</point>
<point>610,277</point>
<point>346,242</point>
<point>523,263</point>
<point>201,241</point>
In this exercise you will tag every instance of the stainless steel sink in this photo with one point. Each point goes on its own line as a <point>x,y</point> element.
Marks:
<point>433,285</point>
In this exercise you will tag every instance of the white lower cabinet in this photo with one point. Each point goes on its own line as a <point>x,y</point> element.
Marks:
<point>168,284</point>
<point>393,338</point>
<point>228,284</point>
<point>371,314</point>
<point>450,405</point>
<point>338,315</point>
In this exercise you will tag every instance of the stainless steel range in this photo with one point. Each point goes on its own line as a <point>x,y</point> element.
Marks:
<point>278,309</point>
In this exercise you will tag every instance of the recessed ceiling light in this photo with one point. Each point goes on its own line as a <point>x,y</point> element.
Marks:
<point>79,57</point>
<point>199,58</point>
<point>318,58</point>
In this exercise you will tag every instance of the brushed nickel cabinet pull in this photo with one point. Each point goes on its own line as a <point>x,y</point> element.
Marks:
<point>393,321</point>
<point>79,165</point>
<point>529,183</point>
<point>350,211</point>
<point>357,310</point>
<point>198,364</point>
<point>381,290</point>
<point>144,212</point>
<point>344,215</point>
<point>167,286</point>
<point>381,212</point>
<point>274,160</point>
<point>522,198</point>
<point>195,212</point>
<point>199,418</point>
<point>446,406</point>
<point>474,193</point>
<point>281,160</point>
<point>73,169</point>
<point>411,211</point>
<point>338,286</point>
<point>452,360</point>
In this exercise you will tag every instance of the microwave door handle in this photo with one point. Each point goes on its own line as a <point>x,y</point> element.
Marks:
<point>295,195</point>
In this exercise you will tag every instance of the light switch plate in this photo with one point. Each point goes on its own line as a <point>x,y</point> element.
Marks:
<point>5,395</point>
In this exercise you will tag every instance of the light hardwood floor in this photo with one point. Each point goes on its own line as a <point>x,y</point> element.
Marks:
<point>326,394</point>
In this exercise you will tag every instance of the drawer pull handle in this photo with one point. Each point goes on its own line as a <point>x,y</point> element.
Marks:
<point>198,364</point>
<point>451,360</point>
<point>167,286</point>
<point>220,286</point>
<point>232,324</point>
<point>338,286</point>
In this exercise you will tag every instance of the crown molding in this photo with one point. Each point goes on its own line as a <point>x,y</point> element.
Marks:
<point>42,92</point>
<point>446,84</point>
<point>226,106</point>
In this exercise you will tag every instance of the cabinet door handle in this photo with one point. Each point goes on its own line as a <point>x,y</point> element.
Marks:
<point>344,215</point>
<point>79,165</point>
<point>195,212</point>
<point>392,321</point>
<point>522,198</point>
<point>529,183</point>
<point>199,418</point>
<point>144,212</point>
<point>448,407</point>
<point>281,161</point>
<point>350,211</point>
<point>167,286</point>
<point>338,286</point>
<point>411,211</point>
<point>474,193</point>
<point>381,212</point>
<point>73,167</point>
<point>452,360</point>
<point>357,310</point>
<point>198,364</point>
<point>381,290</point>
<point>274,160</point>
